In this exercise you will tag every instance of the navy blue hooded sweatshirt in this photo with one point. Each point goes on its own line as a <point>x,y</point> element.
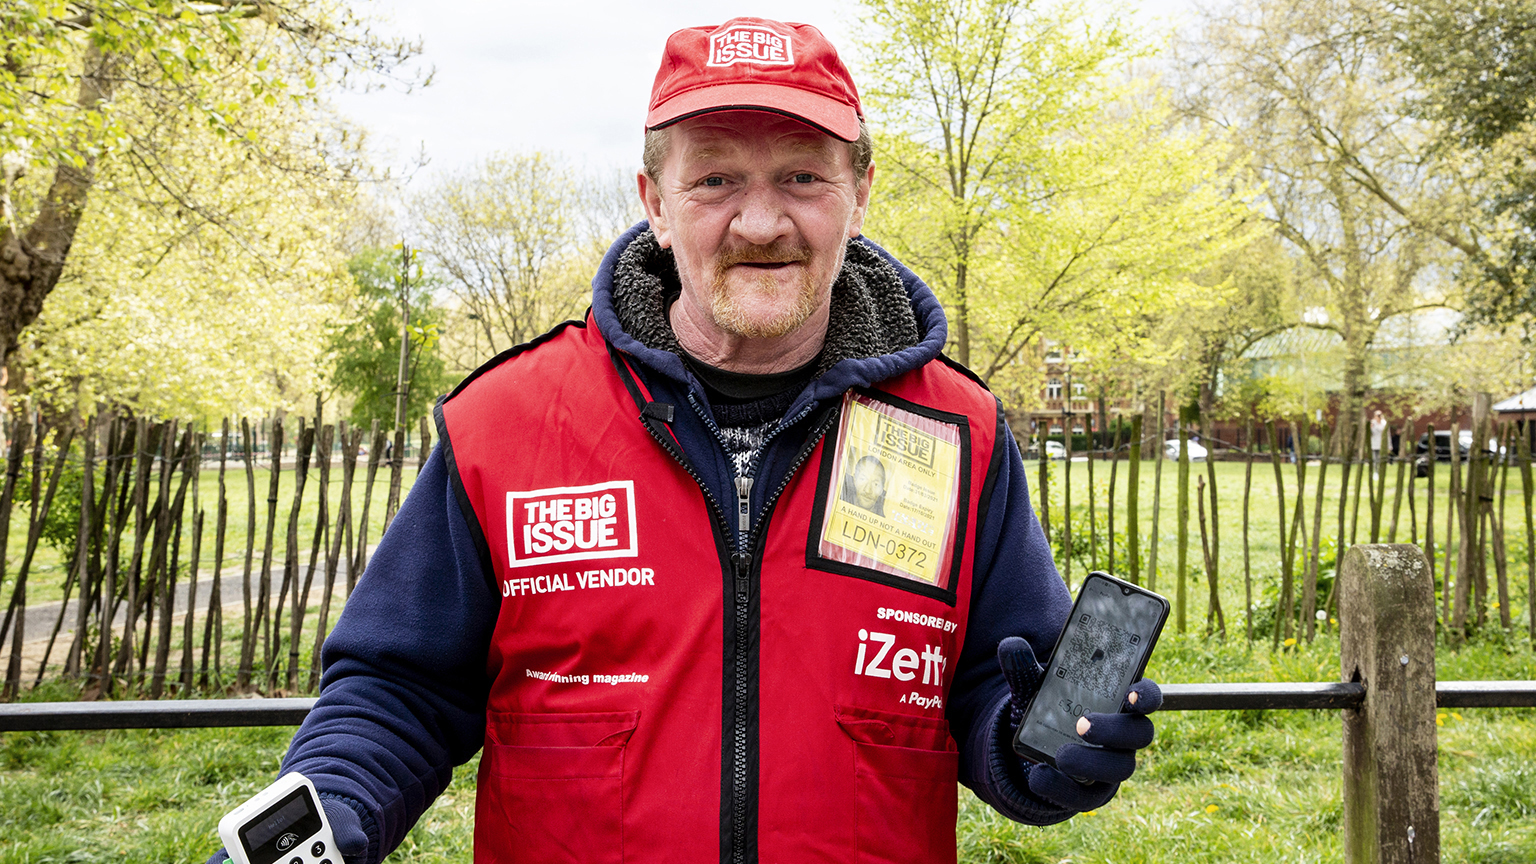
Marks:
<point>404,688</point>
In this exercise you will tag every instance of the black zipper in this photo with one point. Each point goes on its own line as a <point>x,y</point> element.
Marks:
<point>743,562</point>
<point>741,572</point>
<point>741,577</point>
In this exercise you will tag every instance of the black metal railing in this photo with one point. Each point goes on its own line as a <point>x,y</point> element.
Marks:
<point>203,713</point>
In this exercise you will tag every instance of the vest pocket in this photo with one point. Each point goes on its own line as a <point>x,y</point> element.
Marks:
<point>551,788</point>
<point>905,776</point>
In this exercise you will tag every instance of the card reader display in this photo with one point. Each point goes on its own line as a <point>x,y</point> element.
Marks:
<point>282,824</point>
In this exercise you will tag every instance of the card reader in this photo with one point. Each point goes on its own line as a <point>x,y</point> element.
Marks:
<point>282,824</point>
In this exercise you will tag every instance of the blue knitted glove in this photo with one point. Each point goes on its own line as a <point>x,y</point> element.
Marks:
<point>346,826</point>
<point>1040,794</point>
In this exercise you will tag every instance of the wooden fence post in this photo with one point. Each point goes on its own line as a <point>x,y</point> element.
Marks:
<point>1391,780</point>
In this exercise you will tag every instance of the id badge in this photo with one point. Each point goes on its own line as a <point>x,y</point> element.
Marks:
<point>892,497</point>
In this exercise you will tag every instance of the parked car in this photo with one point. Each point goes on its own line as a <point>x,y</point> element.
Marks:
<point>1442,450</point>
<point>1197,452</point>
<point>1055,450</point>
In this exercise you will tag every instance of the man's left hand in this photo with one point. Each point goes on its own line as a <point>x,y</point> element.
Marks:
<point>1085,778</point>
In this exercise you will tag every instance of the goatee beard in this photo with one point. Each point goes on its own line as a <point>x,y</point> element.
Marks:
<point>726,308</point>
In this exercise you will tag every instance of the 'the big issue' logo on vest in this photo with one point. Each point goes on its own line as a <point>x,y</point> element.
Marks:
<point>571,523</point>
<point>748,44</point>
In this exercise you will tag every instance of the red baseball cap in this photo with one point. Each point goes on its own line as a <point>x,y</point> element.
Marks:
<point>755,64</point>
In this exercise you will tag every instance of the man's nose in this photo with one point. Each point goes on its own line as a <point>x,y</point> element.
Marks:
<point>761,219</point>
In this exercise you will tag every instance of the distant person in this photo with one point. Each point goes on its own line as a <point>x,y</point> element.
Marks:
<point>1378,430</point>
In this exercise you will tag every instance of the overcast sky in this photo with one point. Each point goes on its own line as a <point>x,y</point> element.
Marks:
<point>568,77</point>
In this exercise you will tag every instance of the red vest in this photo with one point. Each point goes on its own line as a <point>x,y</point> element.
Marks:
<point>658,697</point>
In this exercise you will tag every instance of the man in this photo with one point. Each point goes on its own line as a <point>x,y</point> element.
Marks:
<point>628,575</point>
<point>864,485</point>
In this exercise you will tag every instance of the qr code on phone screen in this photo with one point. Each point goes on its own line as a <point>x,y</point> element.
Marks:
<point>1096,656</point>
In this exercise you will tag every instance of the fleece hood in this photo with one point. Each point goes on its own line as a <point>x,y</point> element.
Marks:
<point>884,320</point>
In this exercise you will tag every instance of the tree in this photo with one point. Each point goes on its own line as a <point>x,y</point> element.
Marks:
<point>517,237</point>
<point>367,347</point>
<point>202,299</point>
<point>1260,291</point>
<point>1476,65</point>
<point>1039,190</point>
<point>1305,87</point>
<point>92,87</point>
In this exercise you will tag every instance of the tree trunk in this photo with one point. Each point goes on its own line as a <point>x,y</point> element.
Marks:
<point>30,264</point>
<point>1044,515</point>
<point>1429,518</point>
<point>962,321</point>
<point>1133,508</point>
<point>1093,522</point>
<point>1285,578</point>
<point>1247,567</point>
<point>1213,614</point>
<point>1402,463</point>
<point>1157,492</point>
<point>1066,502</point>
<point>1496,521</point>
<point>1181,572</point>
<point>1309,581</point>
<point>1458,519</point>
<point>1530,524</point>
<point>1114,468</point>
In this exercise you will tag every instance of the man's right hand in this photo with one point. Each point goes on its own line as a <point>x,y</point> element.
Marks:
<point>346,827</point>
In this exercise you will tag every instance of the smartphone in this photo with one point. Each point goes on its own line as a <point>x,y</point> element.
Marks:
<point>282,824</point>
<point>1101,652</point>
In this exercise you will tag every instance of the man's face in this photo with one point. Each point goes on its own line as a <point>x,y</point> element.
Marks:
<point>756,208</point>
<point>868,483</point>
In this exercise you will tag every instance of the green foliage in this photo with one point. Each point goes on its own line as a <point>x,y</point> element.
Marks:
<point>516,237</point>
<point>1479,61</point>
<point>176,55</point>
<point>1476,63</point>
<point>1040,192</point>
<point>367,348</point>
<point>1316,100</point>
<point>182,155</point>
<point>1266,605</point>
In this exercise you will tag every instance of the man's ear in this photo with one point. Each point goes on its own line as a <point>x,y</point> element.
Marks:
<point>650,199</point>
<point>861,203</point>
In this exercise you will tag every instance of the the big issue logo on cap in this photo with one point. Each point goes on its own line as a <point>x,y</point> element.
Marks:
<point>745,43</point>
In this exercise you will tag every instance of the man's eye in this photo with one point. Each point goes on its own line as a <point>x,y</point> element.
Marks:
<point>714,181</point>
<point>805,178</point>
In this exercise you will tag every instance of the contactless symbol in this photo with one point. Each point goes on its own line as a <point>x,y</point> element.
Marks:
<point>285,842</point>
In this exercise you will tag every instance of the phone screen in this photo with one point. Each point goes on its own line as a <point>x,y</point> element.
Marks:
<point>1101,652</point>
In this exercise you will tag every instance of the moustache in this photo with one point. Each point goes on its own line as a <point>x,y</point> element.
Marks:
<point>773,253</point>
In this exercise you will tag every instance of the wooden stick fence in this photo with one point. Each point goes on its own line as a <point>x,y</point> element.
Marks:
<point>139,608</point>
<point>140,611</point>
<point>1377,491</point>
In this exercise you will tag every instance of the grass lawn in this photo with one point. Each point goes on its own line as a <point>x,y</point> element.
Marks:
<point>1215,786</point>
